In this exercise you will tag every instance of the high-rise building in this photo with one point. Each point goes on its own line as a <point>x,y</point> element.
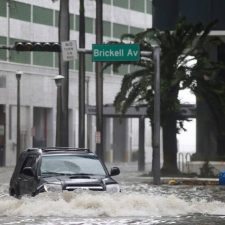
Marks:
<point>29,20</point>
<point>208,145</point>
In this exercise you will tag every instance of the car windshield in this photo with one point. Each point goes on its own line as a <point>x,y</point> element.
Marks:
<point>71,165</point>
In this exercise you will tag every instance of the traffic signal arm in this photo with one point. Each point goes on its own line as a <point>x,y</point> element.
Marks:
<point>38,46</point>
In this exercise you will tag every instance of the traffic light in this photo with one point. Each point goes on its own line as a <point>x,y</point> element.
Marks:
<point>38,46</point>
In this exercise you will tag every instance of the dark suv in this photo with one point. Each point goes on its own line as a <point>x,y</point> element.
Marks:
<point>58,169</point>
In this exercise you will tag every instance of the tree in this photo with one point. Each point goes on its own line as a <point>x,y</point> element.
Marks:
<point>210,88</point>
<point>186,44</point>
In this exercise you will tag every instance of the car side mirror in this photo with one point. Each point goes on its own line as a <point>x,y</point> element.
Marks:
<point>28,171</point>
<point>114,171</point>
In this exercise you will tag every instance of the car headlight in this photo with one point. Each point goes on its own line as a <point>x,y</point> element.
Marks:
<point>53,187</point>
<point>112,188</point>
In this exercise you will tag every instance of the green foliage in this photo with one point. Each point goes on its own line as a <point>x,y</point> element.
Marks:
<point>187,43</point>
<point>207,170</point>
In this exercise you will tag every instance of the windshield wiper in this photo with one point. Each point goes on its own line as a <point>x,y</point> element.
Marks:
<point>54,173</point>
<point>84,175</point>
<point>81,175</point>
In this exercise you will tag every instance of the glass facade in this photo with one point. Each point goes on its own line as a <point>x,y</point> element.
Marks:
<point>149,6</point>
<point>43,16</point>
<point>20,11</point>
<point>3,8</point>
<point>107,2</point>
<point>19,57</point>
<point>107,28</point>
<point>119,29</point>
<point>135,30</point>
<point>137,5</point>
<point>121,3</point>
<point>50,17</point>
<point>43,58</point>
<point>2,51</point>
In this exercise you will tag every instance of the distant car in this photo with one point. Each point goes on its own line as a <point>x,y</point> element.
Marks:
<point>60,169</point>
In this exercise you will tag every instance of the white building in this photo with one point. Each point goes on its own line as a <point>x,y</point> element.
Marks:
<point>29,20</point>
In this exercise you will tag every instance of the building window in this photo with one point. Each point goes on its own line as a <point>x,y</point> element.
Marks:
<point>43,58</point>
<point>89,24</point>
<point>77,18</point>
<point>20,11</point>
<point>89,63</point>
<point>2,81</point>
<point>137,5</point>
<point>43,15</point>
<point>3,8</point>
<point>107,2</point>
<point>2,51</point>
<point>72,24</point>
<point>121,3</point>
<point>19,57</point>
<point>119,29</point>
<point>56,59</point>
<point>71,65</point>
<point>107,28</point>
<point>56,18</point>
<point>135,30</point>
<point>89,28</point>
<point>149,6</point>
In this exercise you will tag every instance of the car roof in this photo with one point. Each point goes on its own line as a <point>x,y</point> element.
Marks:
<point>59,150</point>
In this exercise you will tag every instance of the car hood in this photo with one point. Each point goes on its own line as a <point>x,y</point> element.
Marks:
<point>72,183</point>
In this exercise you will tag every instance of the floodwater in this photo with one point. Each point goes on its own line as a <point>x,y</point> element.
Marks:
<point>139,203</point>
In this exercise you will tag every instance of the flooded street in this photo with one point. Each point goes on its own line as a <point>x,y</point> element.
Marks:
<point>138,203</point>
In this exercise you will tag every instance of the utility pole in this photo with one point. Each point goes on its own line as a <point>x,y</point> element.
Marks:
<point>99,83</point>
<point>58,81</point>
<point>156,119</point>
<point>82,77</point>
<point>18,77</point>
<point>64,35</point>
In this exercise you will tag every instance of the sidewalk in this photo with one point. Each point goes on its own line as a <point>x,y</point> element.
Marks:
<point>129,173</point>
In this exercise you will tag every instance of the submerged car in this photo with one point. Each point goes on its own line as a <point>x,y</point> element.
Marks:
<point>60,169</point>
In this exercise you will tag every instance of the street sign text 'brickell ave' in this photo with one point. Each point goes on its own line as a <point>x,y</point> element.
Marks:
<point>115,52</point>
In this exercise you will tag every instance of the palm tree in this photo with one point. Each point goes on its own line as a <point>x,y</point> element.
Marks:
<point>211,90</point>
<point>176,74</point>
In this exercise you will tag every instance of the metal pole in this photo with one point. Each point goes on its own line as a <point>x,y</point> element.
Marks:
<point>141,150</point>
<point>8,33</point>
<point>82,78</point>
<point>58,116</point>
<point>18,77</point>
<point>58,81</point>
<point>64,35</point>
<point>156,128</point>
<point>99,84</point>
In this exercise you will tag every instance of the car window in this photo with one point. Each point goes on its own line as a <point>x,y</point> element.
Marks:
<point>72,164</point>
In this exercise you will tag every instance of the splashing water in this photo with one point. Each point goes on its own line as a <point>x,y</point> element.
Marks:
<point>138,203</point>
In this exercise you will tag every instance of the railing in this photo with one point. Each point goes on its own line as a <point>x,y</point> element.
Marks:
<point>183,162</point>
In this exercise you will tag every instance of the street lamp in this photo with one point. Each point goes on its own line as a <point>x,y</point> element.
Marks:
<point>58,81</point>
<point>18,77</point>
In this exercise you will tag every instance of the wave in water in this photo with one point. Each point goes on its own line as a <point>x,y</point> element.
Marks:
<point>86,204</point>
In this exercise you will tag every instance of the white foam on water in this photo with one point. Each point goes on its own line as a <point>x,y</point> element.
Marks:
<point>86,204</point>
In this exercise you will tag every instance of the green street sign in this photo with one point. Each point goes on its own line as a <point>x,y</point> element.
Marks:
<point>115,52</point>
